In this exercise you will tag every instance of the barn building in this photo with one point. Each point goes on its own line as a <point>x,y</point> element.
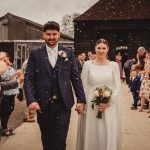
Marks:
<point>19,35</point>
<point>124,23</point>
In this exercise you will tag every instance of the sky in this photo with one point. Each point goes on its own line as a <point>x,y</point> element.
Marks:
<point>41,11</point>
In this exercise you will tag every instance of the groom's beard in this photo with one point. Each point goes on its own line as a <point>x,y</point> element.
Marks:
<point>51,43</point>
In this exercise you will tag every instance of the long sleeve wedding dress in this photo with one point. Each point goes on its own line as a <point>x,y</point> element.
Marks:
<point>94,133</point>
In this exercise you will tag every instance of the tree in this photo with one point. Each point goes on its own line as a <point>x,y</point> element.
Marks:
<point>68,24</point>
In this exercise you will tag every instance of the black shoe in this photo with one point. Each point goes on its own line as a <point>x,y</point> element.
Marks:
<point>11,132</point>
<point>7,132</point>
<point>145,107</point>
<point>133,108</point>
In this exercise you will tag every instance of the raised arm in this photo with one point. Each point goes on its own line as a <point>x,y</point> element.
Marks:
<point>7,85</point>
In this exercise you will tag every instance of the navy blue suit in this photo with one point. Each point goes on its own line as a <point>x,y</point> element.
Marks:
<point>135,88</point>
<point>40,81</point>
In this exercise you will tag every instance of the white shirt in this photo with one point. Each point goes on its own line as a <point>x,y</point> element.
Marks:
<point>52,54</point>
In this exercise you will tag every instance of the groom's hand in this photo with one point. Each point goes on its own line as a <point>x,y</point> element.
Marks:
<point>34,106</point>
<point>80,108</point>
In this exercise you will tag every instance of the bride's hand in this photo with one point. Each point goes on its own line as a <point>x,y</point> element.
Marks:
<point>80,108</point>
<point>103,106</point>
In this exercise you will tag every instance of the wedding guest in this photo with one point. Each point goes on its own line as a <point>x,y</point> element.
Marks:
<point>83,55</point>
<point>80,62</point>
<point>135,67</point>
<point>8,101</point>
<point>3,65</point>
<point>29,114</point>
<point>50,74</point>
<point>135,88</point>
<point>127,68</point>
<point>141,53</point>
<point>145,91</point>
<point>6,85</point>
<point>89,56</point>
<point>118,60</point>
<point>94,133</point>
<point>145,85</point>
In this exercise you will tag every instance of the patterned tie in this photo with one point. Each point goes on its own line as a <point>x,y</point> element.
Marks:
<point>52,57</point>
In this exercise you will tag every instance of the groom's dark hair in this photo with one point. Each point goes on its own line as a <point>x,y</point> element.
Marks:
<point>51,25</point>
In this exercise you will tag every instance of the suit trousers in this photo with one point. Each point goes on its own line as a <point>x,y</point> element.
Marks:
<point>127,75</point>
<point>7,107</point>
<point>135,98</point>
<point>54,124</point>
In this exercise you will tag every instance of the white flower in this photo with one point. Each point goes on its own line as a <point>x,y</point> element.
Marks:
<point>96,93</point>
<point>66,59</point>
<point>106,93</point>
<point>63,54</point>
<point>60,53</point>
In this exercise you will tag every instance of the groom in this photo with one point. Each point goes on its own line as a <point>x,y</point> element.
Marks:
<point>50,74</point>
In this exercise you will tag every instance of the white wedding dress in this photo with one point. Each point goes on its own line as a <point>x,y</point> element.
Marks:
<point>93,133</point>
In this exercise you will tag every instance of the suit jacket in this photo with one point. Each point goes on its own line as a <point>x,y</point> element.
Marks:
<point>38,83</point>
<point>135,84</point>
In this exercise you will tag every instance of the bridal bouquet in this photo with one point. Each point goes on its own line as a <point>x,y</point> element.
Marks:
<point>101,95</point>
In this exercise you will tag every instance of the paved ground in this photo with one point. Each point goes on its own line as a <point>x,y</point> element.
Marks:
<point>17,117</point>
<point>135,134</point>
<point>135,126</point>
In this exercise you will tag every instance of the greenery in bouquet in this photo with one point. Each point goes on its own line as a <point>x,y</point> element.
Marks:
<point>103,95</point>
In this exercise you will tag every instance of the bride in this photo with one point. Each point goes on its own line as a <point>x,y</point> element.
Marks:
<point>94,133</point>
